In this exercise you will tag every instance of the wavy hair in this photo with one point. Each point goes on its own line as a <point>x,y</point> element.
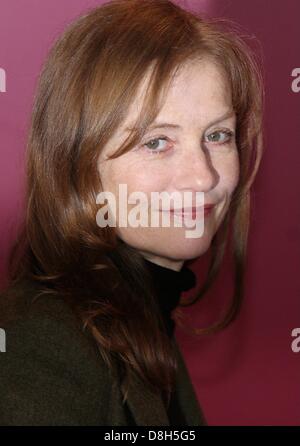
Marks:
<point>85,89</point>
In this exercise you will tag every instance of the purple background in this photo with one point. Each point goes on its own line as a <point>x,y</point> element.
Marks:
<point>248,374</point>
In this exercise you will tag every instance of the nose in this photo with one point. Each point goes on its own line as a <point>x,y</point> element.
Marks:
<point>196,171</point>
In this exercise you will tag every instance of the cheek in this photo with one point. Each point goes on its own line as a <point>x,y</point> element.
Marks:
<point>139,177</point>
<point>229,172</point>
<point>112,173</point>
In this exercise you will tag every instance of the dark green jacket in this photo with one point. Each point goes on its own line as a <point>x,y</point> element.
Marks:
<point>53,374</point>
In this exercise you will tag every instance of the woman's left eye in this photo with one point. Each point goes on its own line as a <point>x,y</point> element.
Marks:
<point>154,146</point>
<point>220,136</point>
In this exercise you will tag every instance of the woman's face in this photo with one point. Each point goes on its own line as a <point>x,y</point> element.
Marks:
<point>195,154</point>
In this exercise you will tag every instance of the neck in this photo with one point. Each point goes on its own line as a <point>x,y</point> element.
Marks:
<point>175,265</point>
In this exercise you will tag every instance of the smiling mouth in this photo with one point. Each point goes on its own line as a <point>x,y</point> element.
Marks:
<point>191,212</point>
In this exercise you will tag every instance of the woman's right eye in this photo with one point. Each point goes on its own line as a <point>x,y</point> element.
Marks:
<point>153,145</point>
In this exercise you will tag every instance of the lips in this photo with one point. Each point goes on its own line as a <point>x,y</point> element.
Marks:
<point>192,212</point>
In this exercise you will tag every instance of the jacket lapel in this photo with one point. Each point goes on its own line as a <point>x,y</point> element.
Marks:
<point>147,407</point>
<point>186,394</point>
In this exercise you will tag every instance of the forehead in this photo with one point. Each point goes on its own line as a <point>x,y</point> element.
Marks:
<point>199,90</point>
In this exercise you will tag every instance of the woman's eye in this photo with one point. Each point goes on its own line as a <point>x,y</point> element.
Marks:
<point>220,136</point>
<point>154,146</point>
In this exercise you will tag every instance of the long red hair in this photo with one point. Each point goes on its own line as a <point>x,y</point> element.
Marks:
<point>85,89</point>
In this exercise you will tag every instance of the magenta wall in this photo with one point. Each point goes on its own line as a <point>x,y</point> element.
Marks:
<point>248,374</point>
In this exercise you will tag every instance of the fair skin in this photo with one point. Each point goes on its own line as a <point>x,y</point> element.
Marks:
<point>196,156</point>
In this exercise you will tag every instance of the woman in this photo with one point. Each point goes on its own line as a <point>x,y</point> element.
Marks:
<point>150,96</point>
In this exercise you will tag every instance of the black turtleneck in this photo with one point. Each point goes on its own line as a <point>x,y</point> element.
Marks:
<point>169,285</point>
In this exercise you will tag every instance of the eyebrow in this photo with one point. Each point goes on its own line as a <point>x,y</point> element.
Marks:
<point>157,125</point>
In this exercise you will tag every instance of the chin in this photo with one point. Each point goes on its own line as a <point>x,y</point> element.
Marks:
<point>187,249</point>
<point>171,244</point>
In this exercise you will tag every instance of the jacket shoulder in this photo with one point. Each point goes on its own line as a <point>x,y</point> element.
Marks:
<point>51,372</point>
